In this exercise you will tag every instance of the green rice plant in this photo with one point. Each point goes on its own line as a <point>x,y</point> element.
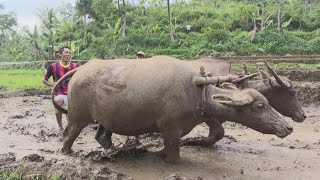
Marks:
<point>10,175</point>
<point>36,176</point>
<point>21,79</point>
<point>54,176</point>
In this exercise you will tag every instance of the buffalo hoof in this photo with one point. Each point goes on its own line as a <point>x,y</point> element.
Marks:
<point>105,144</point>
<point>199,141</point>
<point>172,159</point>
<point>66,151</point>
<point>162,153</point>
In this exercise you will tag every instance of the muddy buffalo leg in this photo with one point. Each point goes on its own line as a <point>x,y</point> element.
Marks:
<point>103,137</point>
<point>216,132</point>
<point>171,142</point>
<point>70,134</point>
<point>76,122</point>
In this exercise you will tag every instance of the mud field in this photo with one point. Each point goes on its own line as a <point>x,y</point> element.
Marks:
<point>30,144</point>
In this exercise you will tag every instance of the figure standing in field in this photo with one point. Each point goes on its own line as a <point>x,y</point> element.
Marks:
<point>140,55</point>
<point>57,70</point>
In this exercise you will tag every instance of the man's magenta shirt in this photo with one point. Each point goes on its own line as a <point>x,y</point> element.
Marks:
<point>57,70</point>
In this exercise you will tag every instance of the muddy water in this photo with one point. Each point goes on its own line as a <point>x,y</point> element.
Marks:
<point>27,127</point>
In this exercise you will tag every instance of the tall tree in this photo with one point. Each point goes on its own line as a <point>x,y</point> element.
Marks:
<point>7,22</point>
<point>65,30</point>
<point>122,15</point>
<point>34,39</point>
<point>279,15</point>
<point>84,10</point>
<point>124,20</point>
<point>171,30</point>
<point>48,20</point>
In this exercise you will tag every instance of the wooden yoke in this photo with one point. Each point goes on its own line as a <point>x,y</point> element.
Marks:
<point>210,79</point>
<point>204,79</point>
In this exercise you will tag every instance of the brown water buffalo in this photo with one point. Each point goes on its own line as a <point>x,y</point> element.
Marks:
<point>278,90</point>
<point>133,97</point>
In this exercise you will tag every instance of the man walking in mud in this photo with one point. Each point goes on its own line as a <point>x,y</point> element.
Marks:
<point>57,70</point>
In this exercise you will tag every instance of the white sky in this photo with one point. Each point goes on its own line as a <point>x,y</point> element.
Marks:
<point>26,10</point>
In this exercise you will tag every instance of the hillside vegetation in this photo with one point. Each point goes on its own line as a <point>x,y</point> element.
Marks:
<point>107,29</point>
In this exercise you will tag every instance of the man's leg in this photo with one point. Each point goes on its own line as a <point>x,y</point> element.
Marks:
<point>59,119</point>
<point>60,101</point>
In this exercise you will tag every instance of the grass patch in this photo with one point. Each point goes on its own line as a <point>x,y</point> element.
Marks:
<point>10,175</point>
<point>14,175</point>
<point>21,79</point>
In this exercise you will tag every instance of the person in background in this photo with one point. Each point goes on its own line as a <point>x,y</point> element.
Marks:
<point>140,55</point>
<point>188,28</point>
<point>57,70</point>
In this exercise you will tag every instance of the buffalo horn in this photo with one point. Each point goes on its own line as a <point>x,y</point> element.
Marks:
<point>276,76</point>
<point>245,68</point>
<point>240,80</point>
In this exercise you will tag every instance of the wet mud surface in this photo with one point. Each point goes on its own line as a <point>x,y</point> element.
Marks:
<point>30,143</point>
<point>299,75</point>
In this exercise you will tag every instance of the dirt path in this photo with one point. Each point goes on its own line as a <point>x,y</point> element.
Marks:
<point>29,142</point>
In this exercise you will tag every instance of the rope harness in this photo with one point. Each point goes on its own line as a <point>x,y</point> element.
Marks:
<point>203,105</point>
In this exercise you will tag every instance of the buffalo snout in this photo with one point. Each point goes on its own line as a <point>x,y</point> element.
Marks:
<point>299,117</point>
<point>284,131</point>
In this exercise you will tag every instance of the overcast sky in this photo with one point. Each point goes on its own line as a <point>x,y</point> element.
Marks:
<point>26,10</point>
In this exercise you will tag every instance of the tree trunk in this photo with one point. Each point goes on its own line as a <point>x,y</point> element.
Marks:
<point>263,17</point>
<point>69,39</point>
<point>279,19</point>
<point>123,20</point>
<point>119,14</point>
<point>170,22</point>
<point>254,31</point>
<point>85,30</point>
<point>34,53</point>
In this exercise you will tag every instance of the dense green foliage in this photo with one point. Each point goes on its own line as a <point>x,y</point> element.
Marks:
<point>107,29</point>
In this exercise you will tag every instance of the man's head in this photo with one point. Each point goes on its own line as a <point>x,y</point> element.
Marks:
<point>140,55</point>
<point>65,53</point>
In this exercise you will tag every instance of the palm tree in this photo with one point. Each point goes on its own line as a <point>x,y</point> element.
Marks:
<point>35,39</point>
<point>66,29</point>
<point>48,20</point>
<point>84,9</point>
<point>122,15</point>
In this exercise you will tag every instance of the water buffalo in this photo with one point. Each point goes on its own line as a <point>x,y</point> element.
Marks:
<point>133,97</point>
<point>277,89</point>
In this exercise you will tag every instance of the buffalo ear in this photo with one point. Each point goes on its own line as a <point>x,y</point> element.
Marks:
<point>221,97</point>
<point>229,86</point>
<point>232,101</point>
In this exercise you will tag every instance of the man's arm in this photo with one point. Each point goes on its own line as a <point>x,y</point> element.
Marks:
<point>48,83</point>
<point>48,74</point>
